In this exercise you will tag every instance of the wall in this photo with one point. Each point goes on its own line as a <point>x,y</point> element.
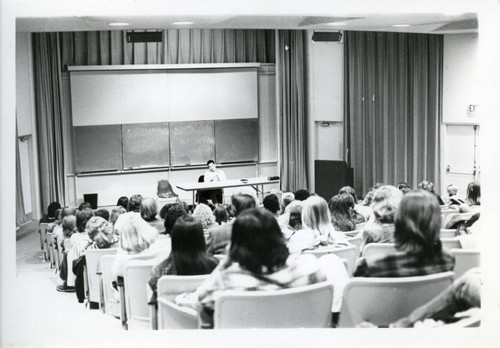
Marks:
<point>460,142</point>
<point>326,100</point>
<point>26,126</point>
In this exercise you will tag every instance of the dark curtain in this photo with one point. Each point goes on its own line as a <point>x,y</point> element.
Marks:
<point>293,117</point>
<point>47,67</point>
<point>393,91</point>
<point>185,46</point>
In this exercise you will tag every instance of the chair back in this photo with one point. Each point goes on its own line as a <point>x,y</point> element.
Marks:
<point>453,218</point>
<point>307,306</point>
<point>451,243</point>
<point>135,278</point>
<point>447,233</point>
<point>353,233</point>
<point>378,249</point>
<point>464,260</point>
<point>382,301</point>
<point>170,315</point>
<point>110,295</point>
<point>93,259</point>
<point>51,252</point>
<point>43,238</point>
<point>348,253</point>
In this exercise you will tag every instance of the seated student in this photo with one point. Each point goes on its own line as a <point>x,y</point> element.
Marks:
<point>317,228</point>
<point>115,213</point>
<point>286,199</point>
<point>104,213</point>
<point>462,295</point>
<point>473,200</point>
<point>79,242</point>
<point>416,235</point>
<point>220,214</point>
<point>188,255</point>
<point>51,213</point>
<point>356,211</point>
<point>453,199</point>
<point>59,229</point>
<point>404,187</point>
<point>122,202</point>
<point>272,204</point>
<point>291,221</point>
<point>205,215</point>
<point>149,210</point>
<point>380,226</point>
<point>212,174</point>
<point>339,206</point>
<point>100,233</point>
<point>138,241</point>
<point>429,186</point>
<point>175,212</point>
<point>68,226</point>
<point>220,236</point>
<point>134,203</point>
<point>301,195</point>
<point>258,259</point>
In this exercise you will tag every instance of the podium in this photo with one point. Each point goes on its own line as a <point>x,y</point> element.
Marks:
<point>330,177</point>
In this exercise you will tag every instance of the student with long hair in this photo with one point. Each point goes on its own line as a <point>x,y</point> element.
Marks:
<point>317,228</point>
<point>416,235</point>
<point>149,210</point>
<point>380,226</point>
<point>258,259</point>
<point>473,200</point>
<point>188,255</point>
<point>340,208</point>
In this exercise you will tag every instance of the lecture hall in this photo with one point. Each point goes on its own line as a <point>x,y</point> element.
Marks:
<point>325,161</point>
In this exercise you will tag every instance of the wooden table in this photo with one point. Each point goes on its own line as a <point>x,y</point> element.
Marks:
<point>203,186</point>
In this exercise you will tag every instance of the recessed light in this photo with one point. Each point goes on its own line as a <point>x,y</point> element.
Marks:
<point>118,24</point>
<point>182,23</point>
<point>336,23</point>
<point>401,25</point>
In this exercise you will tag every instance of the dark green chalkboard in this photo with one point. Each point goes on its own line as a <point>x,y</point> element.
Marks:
<point>237,140</point>
<point>191,142</point>
<point>98,148</point>
<point>145,145</point>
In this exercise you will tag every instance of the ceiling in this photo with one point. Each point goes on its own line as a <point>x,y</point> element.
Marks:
<point>436,23</point>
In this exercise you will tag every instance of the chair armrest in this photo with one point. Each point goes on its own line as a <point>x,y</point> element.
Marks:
<point>123,313</point>
<point>173,316</point>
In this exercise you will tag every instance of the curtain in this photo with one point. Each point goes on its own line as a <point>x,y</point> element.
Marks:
<point>393,84</point>
<point>293,117</point>
<point>184,46</point>
<point>47,67</point>
<point>20,213</point>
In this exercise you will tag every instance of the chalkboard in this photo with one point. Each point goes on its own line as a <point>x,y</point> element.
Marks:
<point>237,140</point>
<point>145,145</point>
<point>191,142</point>
<point>98,148</point>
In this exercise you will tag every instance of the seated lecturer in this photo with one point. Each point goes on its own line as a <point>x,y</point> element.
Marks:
<point>212,174</point>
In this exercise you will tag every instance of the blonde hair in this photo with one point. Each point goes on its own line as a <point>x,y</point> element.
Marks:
<point>316,216</point>
<point>148,209</point>
<point>386,202</point>
<point>136,234</point>
<point>100,231</point>
<point>203,213</point>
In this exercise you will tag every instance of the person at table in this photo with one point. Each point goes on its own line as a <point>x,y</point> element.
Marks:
<point>212,174</point>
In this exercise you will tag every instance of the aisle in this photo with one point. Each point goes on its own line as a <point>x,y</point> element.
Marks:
<point>46,316</point>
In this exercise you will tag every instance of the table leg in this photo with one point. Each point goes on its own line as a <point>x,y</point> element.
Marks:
<point>193,198</point>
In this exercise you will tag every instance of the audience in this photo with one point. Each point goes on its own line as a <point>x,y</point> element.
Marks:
<point>429,186</point>
<point>51,213</point>
<point>380,226</point>
<point>205,215</point>
<point>340,208</point>
<point>115,213</point>
<point>104,213</point>
<point>473,200</point>
<point>122,202</point>
<point>301,195</point>
<point>175,212</point>
<point>416,236</point>
<point>138,241</point>
<point>272,204</point>
<point>149,210</point>
<point>134,203</point>
<point>220,236</point>
<point>286,199</point>
<point>220,214</point>
<point>258,259</point>
<point>188,255</point>
<point>317,228</point>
